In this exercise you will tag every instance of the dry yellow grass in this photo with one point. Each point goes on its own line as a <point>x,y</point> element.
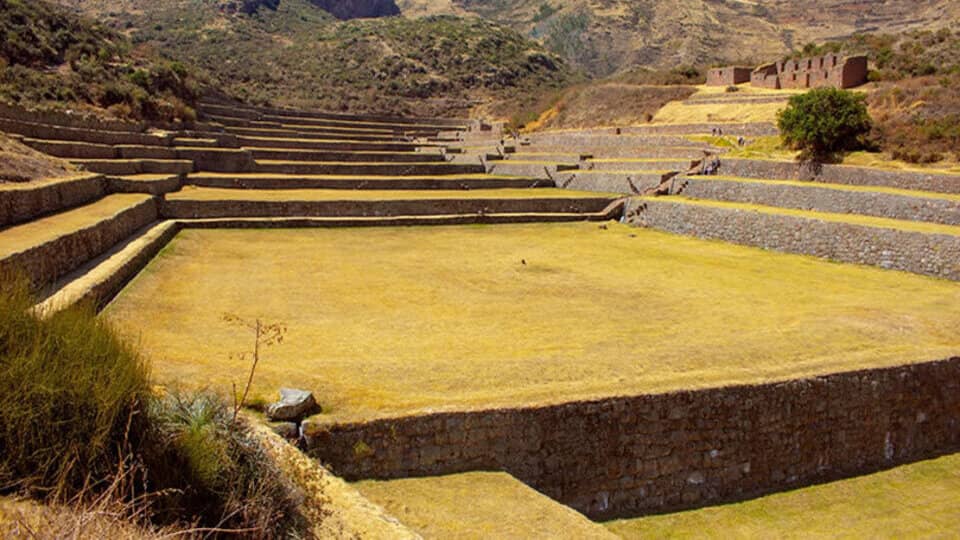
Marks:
<point>28,235</point>
<point>479,505</point>
<point>921,500</point>
<point>390,321</point>
<point>225,194</point>
<point>677,112</point>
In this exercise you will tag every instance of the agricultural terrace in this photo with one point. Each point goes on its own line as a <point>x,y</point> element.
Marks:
<point>390,321</point>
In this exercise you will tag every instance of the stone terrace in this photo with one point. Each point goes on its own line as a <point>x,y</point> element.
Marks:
<point>85,237</point>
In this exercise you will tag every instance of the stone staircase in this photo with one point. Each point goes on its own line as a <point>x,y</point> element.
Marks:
<point>84,237</point>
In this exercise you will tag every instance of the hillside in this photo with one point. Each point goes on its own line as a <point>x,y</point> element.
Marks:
<point>299,55</point>
<point>52,59</point>
<point>605,36</point>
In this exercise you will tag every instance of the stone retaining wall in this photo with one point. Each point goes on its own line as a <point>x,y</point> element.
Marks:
<point>931,254</point>
<point>812,197</point>
<point>45,263</point>
<point>628,456</point>
<point>187,208</point>
<point>611,182</point>
<point>839,174</point>
<point>23,203</point>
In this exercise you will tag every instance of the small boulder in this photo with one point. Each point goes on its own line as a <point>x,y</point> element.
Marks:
<point>294,405</point>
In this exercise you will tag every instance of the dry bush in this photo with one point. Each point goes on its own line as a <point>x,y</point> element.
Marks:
<point>918,120</point>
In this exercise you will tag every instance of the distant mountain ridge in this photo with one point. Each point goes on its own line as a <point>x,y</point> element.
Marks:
<point>605,36</point>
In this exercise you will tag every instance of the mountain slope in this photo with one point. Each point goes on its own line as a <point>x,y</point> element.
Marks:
<point>605,36</point>
<point>299,55</point>
<point>53,59</point>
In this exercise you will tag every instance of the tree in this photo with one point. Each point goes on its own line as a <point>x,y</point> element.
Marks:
<point>825,121</point>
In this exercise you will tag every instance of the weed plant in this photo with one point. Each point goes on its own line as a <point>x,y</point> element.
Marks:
<point>70,392</point>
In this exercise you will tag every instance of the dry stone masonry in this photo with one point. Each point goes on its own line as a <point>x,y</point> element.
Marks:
<point>628,456</point>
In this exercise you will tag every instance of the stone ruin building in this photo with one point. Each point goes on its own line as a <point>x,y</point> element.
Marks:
<point>725,76</point>
<point>829,70</point>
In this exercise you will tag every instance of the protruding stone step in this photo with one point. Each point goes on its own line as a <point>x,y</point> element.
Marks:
<point>101,278</point>
<point>217,203</point>
<point>50,247</point>
<point>481,504</point>
<point>380,169</point>
<point>285,181</point>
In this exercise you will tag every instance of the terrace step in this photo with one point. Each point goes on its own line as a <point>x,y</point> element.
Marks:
<point>536,169</point>
<point>357,124</point>
<point>626,182</point>
<point>381,169</point>
<point>924,248</point>
<point>284,154</point>
<point>154,184</point>
<point>193,202</point>
<point>23,202</point>
<point>196,143</point>
<point>50,247</point>
<point>257,112</point>
<point>322,135</point>
<point>41,131</point>
<point>627,151</point>
<point>875,201</point>
<point>331,144</point>
<point>285,181</point>
<point>460,505</point>
<point>328,126</point>
<point>135,166</point>
<point>554,157</point>
<point>103,277</point>
<point>636,164</point>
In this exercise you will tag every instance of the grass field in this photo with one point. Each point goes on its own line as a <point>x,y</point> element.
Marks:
<point>390,321</point>
<point>478,505</point>
<point>920,500</point>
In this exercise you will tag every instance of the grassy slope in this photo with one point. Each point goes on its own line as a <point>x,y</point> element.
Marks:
<point>478,505</point>
<point>298,55</point>
<point>53,59</point>
<point>912,501</point>
<point>391,321</point>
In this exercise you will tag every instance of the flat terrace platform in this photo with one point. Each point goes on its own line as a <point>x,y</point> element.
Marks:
<point>919,500</point>
<point>391,321</point>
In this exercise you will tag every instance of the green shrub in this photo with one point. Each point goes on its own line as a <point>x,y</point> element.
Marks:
<point>824,121</point>
<point>69,388</point>
<point>209,470</point>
